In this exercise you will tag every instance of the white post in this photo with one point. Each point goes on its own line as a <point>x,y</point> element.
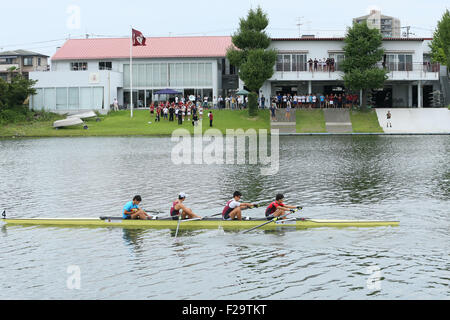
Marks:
<point>131,71</point>
<point>410,95</point>
<point>419,95</point>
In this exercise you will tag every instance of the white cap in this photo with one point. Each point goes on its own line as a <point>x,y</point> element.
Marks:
<point>182,195</point>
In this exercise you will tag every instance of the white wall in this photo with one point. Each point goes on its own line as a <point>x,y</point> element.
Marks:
<point>110,81</point>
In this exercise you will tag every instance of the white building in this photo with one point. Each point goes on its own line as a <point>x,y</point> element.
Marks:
<point>411,78</point>
<point>389,27</point>
<point>88,74</point>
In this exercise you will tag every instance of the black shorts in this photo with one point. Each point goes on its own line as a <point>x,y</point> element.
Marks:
<point>269,213</point>
<point>175,214</point>
<point>226,216</point>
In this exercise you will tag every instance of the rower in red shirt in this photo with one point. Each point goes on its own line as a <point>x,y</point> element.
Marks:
<point>178,208</point>
<point>278,208</point>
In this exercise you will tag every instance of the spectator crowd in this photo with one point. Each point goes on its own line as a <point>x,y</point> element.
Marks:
<point>342,100</point>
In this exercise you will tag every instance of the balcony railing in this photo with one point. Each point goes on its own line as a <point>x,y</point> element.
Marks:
<point>410,66</point>
<point>390,66</point>
<point>6,67</point>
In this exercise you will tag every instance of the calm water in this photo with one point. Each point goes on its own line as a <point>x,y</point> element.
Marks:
<point>401,178</point>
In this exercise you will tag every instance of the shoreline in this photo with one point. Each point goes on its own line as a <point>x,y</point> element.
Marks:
<point>269,134</point>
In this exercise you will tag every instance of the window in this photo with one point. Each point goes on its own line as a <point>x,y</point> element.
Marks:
<point>287,62</point>
<point>78,66</point>
<point>105,65</point>
<point>39,61</point>
<point>291,62</point>
<point>299,62</point>
<point>28,61</point>
<point>61,98</point>
<point>49,99</point>
<point>404,62</point>
<point>6,60</point>
<point>38,99</point>
<point>338,59</point>
<point>74,96</point>
<point>279,63</point>
<point>399,62</point>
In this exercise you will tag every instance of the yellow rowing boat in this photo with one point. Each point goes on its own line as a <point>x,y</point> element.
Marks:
<point>210,223</point>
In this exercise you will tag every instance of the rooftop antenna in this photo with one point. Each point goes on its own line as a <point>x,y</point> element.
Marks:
<point>407,33</point>
<point>299,24</point>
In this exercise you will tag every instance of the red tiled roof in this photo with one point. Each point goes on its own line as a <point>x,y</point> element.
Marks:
<point>168,47</point>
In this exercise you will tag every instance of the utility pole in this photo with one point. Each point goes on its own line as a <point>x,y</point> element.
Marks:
<point>407,33</point>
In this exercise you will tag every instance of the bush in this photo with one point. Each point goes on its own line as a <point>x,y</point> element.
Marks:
<point>22,113</point>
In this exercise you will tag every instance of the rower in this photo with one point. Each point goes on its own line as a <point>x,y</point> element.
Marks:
<point>233,208</point>
<point>179,208</point>
<point>278,208</point>
<point>131,210</point>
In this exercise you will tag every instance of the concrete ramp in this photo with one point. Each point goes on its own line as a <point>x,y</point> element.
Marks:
<point>423,120</point>
<point>338,121</point>
<point>283,124</point>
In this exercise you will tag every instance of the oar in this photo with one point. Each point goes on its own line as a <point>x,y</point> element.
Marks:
<point>180,220</point>
<point>273,220</point>
<point>155,211</point>
<point>180,217</point>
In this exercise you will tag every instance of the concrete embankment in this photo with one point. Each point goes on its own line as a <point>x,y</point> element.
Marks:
<point>415,121</point>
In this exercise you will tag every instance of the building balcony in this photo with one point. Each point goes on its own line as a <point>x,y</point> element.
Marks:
<point>397,72</point>
<point>411,71</point>
<point>6,67</point>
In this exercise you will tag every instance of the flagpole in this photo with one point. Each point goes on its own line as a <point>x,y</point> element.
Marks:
<point>131,71</point>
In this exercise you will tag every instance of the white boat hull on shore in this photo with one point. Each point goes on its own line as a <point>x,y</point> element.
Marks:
<point>67,122</point>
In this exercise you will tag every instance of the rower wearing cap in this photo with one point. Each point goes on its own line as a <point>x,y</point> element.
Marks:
<point>233,208</point>
<point>278,208</point>
<point>131,210</point>
<point>179,208</point>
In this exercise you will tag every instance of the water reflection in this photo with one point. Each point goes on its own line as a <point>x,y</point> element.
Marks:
<point>134,238</point>
<point>362,175</point>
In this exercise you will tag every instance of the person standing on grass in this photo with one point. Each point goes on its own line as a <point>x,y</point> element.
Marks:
<point>211,118</point>
<point>171,112</point>
<point>273,108</point>
<point>180,116</point>
<point>263,102</point>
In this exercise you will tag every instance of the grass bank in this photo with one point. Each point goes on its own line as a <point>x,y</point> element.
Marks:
<point>310,121</point>
<point>365,122</point>
<point>120,124</point>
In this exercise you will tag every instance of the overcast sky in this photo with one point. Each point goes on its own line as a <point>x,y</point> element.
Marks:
<point>42,26</point>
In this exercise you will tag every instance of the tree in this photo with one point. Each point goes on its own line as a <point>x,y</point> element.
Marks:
<point>250,54</point>
<point>13,94</point>
<point>363,50</point>
<point>440,45</point>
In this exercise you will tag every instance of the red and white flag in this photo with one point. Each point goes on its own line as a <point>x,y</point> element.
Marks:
<point>138,38</point>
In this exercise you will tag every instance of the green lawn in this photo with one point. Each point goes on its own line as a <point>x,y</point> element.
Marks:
<point>365,122</point>
<point>310,121</point>
<point>120,124</point>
